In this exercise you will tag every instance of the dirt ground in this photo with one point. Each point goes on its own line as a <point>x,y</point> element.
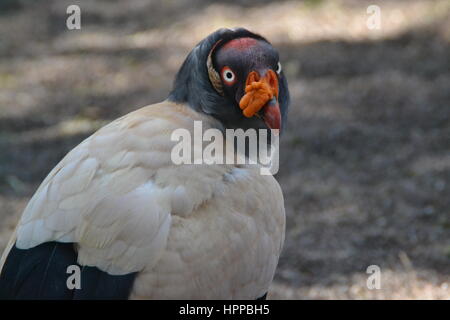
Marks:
<point>365,162</point>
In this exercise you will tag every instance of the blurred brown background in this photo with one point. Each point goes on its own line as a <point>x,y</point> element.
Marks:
<point>365,162</point>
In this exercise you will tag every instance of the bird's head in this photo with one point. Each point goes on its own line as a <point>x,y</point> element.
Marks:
<point>236,77</point>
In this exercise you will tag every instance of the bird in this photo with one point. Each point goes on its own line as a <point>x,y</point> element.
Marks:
<point>117,219</point>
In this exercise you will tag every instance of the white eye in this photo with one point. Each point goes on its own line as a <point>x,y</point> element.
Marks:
<point>228,75</point>
<point>279,68</point>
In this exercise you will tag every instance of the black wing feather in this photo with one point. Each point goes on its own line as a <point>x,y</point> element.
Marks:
<point>41,273</point>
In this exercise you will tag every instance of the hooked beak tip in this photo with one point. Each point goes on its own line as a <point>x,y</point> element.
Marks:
<point>271,114</point>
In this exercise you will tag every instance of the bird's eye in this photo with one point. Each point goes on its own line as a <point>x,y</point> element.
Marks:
<point>279,68</point>
<point>228,76</point>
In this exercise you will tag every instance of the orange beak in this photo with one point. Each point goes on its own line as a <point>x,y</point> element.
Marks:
<point>262,94</point>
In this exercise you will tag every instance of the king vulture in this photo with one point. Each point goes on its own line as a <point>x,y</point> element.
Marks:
<point>117,212</point>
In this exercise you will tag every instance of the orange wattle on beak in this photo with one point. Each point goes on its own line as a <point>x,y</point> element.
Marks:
<point>261,94</point>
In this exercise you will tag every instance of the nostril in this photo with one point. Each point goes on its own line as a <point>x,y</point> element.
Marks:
<point>253,77</point>
<point>273,81</point>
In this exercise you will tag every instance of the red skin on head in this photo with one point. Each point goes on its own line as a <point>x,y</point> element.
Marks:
<point>240,43</point>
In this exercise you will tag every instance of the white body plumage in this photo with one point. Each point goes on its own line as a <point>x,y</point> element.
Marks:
<point>191,231</point>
